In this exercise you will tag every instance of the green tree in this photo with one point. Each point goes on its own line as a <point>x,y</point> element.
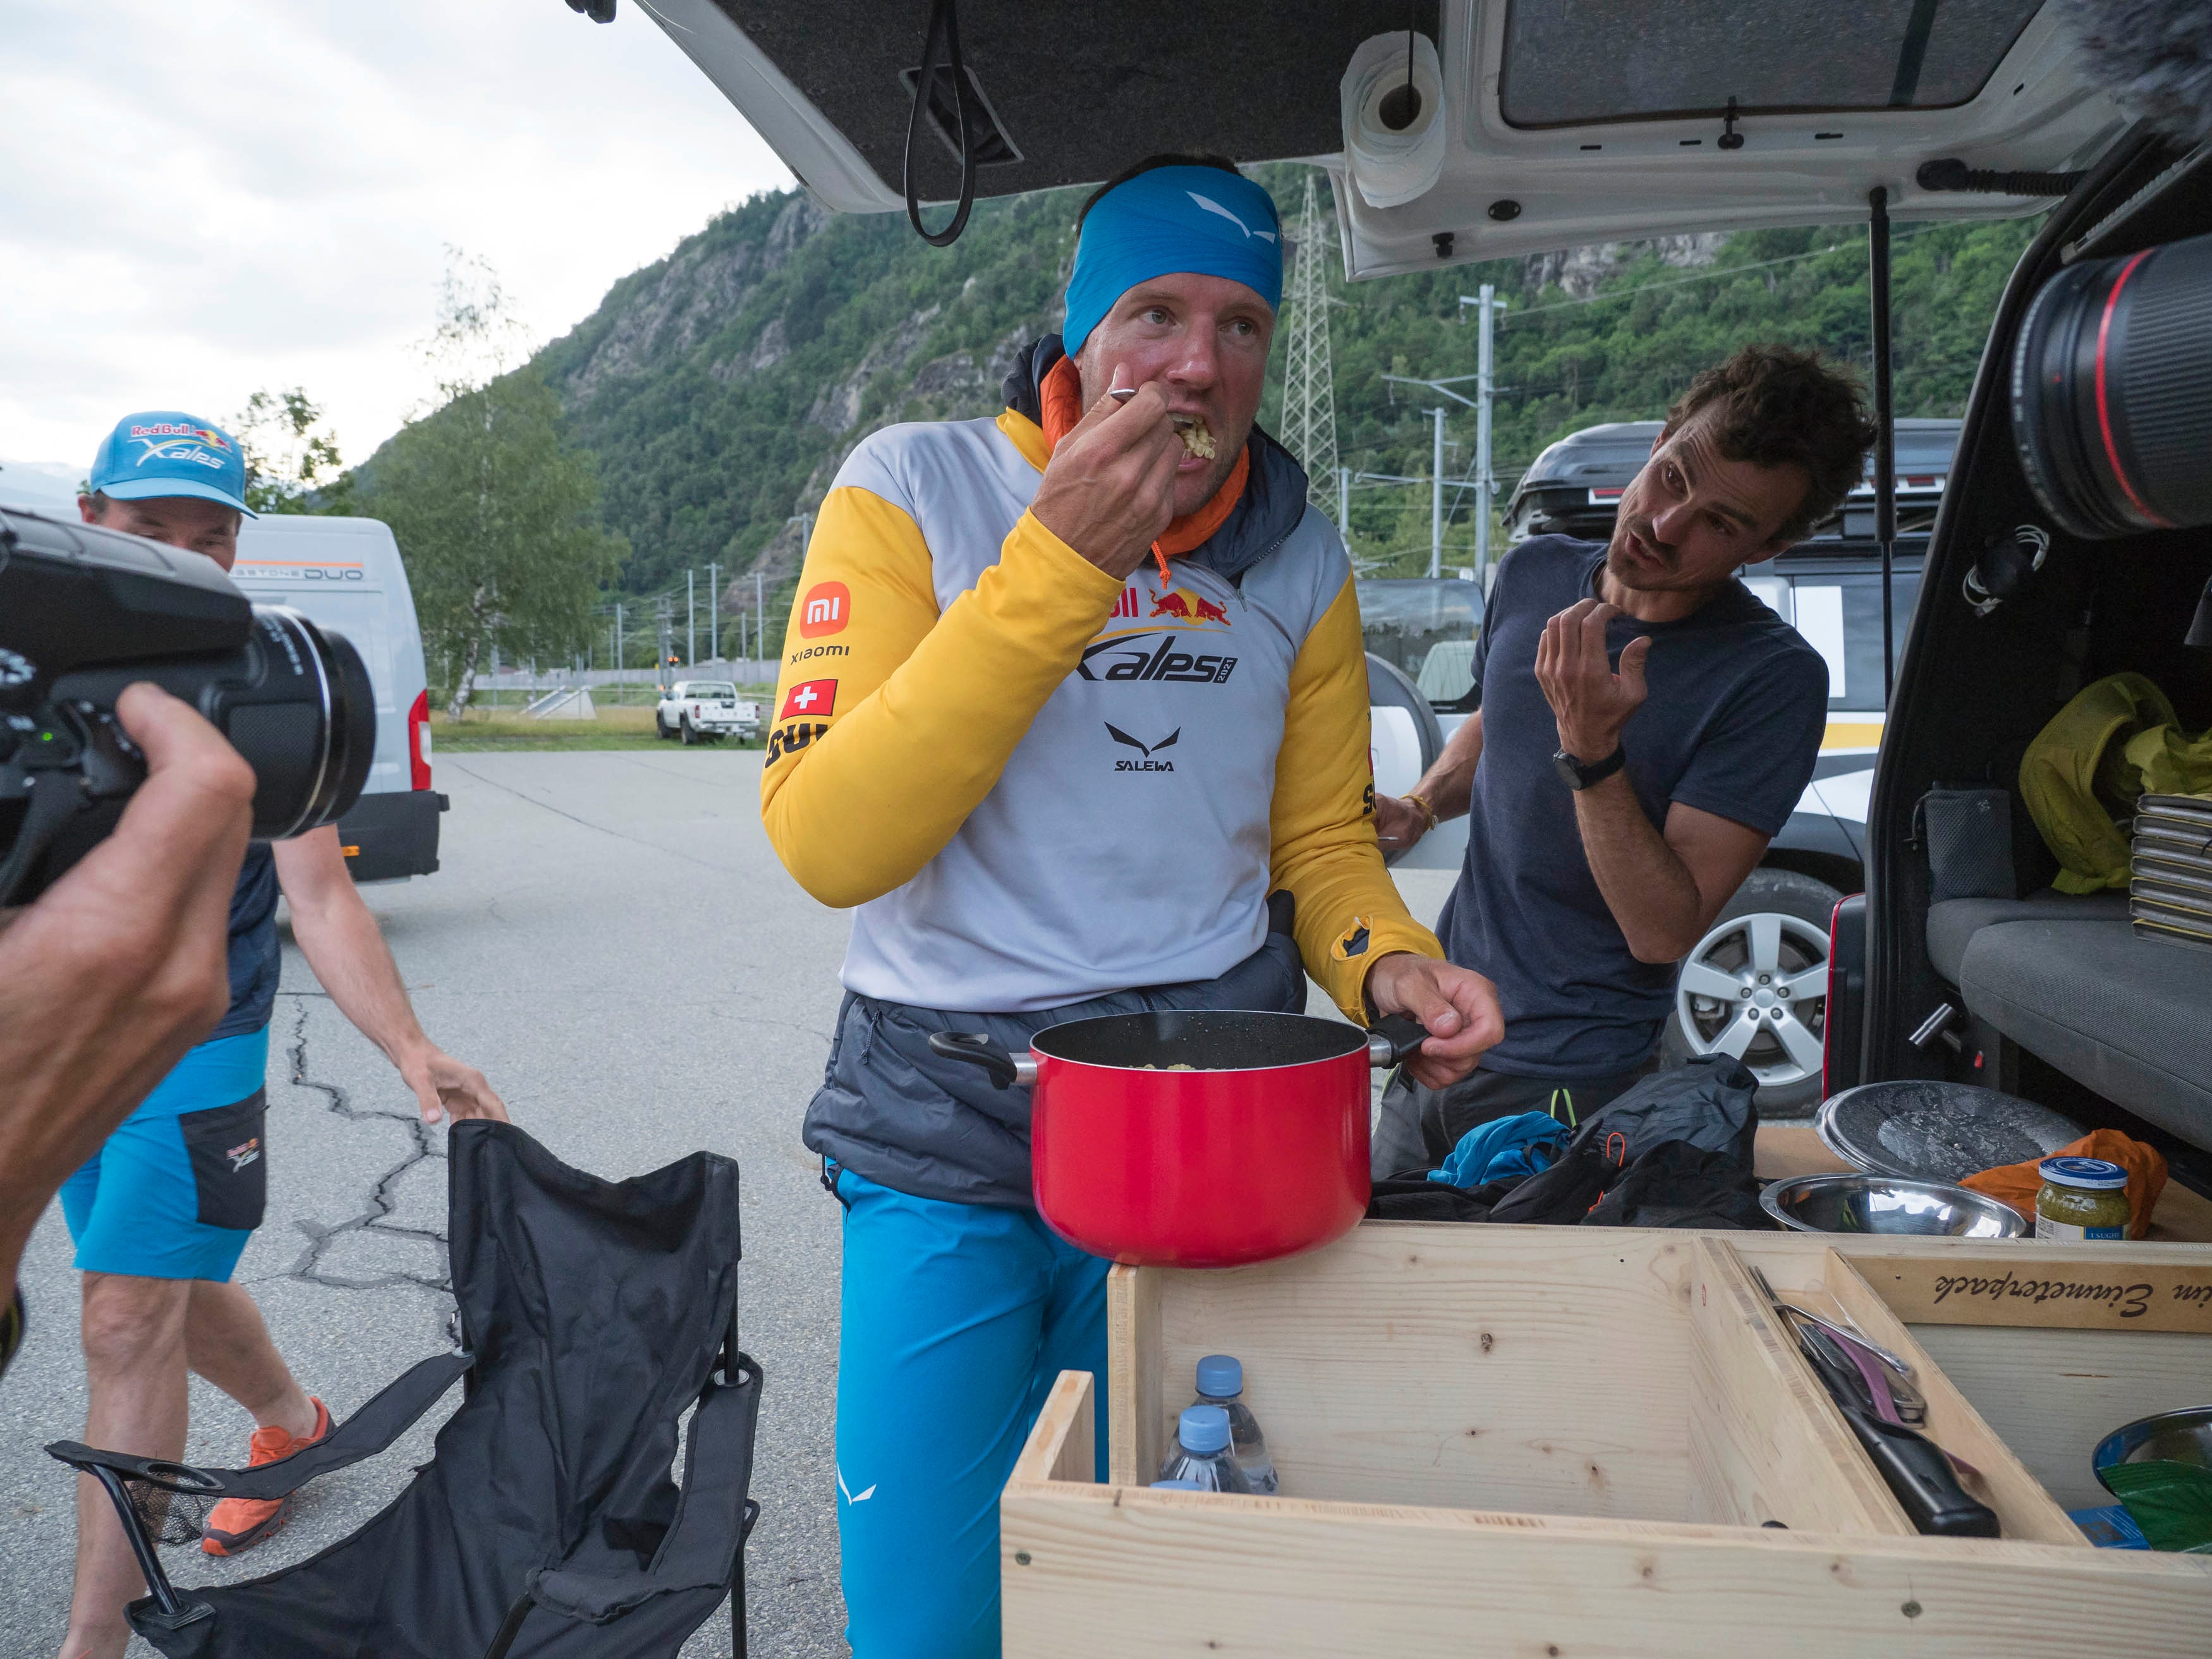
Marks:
<point>496,518</point>
<point>289,463</point>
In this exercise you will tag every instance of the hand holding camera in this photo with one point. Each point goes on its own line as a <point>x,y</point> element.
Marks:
<point>119,968</point>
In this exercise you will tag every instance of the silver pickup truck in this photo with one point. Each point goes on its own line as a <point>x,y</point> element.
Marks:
<point>694,711</point>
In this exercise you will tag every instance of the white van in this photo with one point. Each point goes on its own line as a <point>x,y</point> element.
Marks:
<point>345,575</point>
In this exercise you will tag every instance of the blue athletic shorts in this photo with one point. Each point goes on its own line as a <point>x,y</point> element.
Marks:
<point>957,1318</point>
<point>176,1191</point>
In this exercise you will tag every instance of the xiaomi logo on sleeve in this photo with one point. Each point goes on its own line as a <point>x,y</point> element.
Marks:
<point>825,609</point>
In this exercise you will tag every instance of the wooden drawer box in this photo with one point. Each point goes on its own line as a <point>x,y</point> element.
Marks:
<point>1561,1441</point>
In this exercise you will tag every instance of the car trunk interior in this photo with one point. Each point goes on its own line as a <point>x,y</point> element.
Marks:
<point>2064,1004</point>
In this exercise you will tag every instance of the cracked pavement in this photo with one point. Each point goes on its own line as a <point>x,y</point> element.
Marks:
<point>612,941</point>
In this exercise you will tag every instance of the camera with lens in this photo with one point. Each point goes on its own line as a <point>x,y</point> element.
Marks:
<point>85,612</point>
<point>2111,392</point>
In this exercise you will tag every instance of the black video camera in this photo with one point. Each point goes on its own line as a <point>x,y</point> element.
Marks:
<point>86,611</point>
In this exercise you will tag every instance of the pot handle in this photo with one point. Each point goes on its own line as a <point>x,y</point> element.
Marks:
<point>1393,1038</point>
<point>981,1049</point>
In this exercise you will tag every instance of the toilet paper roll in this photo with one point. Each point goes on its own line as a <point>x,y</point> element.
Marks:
<point>1392,167</point>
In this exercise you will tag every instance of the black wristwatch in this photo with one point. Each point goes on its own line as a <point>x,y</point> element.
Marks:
<point>1575,775</point>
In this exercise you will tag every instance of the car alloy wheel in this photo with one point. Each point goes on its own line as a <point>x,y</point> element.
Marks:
<point>1756,988</point>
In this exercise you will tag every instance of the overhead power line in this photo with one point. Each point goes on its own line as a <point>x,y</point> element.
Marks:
<point>1309,379</point>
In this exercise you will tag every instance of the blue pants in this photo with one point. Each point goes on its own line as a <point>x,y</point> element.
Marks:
<point>179,1187</point>
<point>957,1318</point>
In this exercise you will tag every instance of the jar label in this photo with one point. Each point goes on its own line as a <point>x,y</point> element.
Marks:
<point>2046,1228</point>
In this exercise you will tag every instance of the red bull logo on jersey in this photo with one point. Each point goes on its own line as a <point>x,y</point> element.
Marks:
<point>1181,605</point>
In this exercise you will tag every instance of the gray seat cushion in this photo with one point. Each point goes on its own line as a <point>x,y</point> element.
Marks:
<point>1953,921</point>
<point>2129,1017</point>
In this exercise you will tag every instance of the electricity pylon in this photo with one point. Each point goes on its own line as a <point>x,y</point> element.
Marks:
<point>1309,381</point>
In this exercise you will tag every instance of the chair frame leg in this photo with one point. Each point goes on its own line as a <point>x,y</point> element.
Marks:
<point>170,1608</point>
<point>510,1627</point>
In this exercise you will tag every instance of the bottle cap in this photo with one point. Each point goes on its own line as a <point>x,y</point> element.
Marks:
<point>1203,1428</point>
<point>1176,1485</point>
<point>2094,1174</point>
<point>1219,1376</point>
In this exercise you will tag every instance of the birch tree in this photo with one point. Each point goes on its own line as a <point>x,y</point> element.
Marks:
<point>495,516</point>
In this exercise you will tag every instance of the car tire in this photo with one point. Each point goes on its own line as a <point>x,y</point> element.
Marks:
<point>685,735</point>
<point>660,727</point>
<point>1776,925</point>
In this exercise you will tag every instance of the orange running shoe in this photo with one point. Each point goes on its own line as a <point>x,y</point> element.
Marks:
<point>237,1523</point>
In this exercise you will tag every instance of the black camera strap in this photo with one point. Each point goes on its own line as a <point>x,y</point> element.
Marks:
<point>51,809</point>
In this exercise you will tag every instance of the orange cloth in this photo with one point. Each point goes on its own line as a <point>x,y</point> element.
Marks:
<point>1060,398</point>
<point>2016,1184</point>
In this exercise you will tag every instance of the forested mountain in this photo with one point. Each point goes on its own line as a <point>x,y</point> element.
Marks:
<point>720,387</point>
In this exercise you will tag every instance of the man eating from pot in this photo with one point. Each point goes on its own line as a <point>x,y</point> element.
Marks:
<point>1067,696</point>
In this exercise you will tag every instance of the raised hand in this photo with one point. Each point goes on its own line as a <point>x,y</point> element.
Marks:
<point>1590,701</point>
<point>1108,490</point>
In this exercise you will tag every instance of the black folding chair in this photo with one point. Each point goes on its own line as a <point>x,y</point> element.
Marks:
<point>592,1316</point>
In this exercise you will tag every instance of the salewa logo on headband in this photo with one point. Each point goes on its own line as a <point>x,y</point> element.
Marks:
<point>1212,206</point>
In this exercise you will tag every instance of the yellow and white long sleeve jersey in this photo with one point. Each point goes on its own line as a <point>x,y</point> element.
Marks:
<point>1038,784</point>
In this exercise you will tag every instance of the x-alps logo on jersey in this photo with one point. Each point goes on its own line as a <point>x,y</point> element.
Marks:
<point>809,697</point>
<point>826,608</point>
<point>243,1154</point>
<point>1153,657</point>
<point>1152,762</point>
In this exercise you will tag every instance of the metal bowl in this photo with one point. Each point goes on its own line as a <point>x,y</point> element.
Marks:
<point>2183,1437</point>
<point>1885,1204</point>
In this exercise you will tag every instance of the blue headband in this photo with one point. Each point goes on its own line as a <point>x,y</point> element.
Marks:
<point>1194,219</point>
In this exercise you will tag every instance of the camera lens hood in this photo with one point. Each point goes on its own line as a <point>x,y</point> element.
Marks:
<point>306,721</point>
<point>2111,392</point>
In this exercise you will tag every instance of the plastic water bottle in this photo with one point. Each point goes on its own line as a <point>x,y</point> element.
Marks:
<point>1221,1383</point>
<point>1201,1454</point>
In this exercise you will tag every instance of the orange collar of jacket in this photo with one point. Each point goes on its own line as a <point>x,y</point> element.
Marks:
<point>1060,397</point>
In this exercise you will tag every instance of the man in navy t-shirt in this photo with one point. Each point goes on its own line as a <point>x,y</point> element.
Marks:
<point>1646,727</point>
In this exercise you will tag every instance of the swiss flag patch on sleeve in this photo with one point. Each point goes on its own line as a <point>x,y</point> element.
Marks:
<point>809,697</point>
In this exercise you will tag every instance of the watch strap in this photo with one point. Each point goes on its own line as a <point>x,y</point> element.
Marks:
<point>1580,776</point>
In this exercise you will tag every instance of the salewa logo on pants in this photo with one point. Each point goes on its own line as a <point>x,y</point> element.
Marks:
<point>852,1496</point>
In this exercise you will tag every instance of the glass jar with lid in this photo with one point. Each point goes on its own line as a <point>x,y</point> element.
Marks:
<point>2081,1198</point>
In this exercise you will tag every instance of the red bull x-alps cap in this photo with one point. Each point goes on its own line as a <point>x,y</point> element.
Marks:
<point>168,452</point>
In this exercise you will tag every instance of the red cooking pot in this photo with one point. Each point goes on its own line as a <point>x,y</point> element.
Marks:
<point>1200,1137</point>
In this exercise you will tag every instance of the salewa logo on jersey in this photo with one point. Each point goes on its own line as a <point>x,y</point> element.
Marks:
<point>243,1154</point>
<point>1149,751</point>
<point>1151,657</point>
<point>852,1496</point>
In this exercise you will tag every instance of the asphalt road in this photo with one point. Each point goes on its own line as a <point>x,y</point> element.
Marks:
<point>611,939</point>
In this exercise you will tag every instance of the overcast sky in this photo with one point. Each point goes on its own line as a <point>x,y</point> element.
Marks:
<point>200,199</point>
